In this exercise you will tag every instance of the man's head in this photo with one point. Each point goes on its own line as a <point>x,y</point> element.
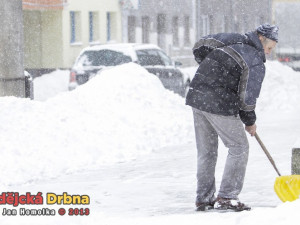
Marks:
<point>268,35</point>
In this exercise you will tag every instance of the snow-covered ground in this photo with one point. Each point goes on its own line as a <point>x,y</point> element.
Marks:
<point>129,144</point>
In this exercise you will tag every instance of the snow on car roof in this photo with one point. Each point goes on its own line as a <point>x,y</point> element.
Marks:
<point>122,46</point>
<point>125,48</point>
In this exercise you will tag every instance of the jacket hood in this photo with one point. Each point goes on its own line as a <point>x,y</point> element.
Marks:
<point>253,40</point>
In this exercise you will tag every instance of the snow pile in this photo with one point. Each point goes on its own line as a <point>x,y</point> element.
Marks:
<point>49,85</point>
<point>117,116</point>
<point>280,89</point>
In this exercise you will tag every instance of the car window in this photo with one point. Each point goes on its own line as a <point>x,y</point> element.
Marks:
<point>103,58</point>
<point>152,57</point>
<point>165,58</point>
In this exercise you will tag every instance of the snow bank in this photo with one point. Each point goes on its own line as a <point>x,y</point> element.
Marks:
<point>121,114</point>
<point>280,89</point>
<point>51,84</point>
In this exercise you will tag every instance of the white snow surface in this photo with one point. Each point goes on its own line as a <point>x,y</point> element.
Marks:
<point>49,85</point>
<point>129,143</point>
<point>117,116</point>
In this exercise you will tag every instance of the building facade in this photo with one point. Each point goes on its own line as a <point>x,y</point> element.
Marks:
<point>240,16</point>
<point>167,23</point>
<point>55,31</point>
<point>175,25</point>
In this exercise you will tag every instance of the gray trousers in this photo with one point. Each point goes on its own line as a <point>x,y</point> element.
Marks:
<point>230,129</point>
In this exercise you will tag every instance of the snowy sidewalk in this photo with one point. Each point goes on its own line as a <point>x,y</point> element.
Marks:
<point>160,187</point>
<point>164,182</point>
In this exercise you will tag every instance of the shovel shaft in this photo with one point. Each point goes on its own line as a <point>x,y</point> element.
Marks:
<point>267,153</point>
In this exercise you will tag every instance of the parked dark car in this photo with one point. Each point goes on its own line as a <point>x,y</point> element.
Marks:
<point>92,59</point>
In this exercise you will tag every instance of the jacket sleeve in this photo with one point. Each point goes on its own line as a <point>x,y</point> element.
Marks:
<point>249,90</point>
<point>248,117</point>
<point>204,46</point>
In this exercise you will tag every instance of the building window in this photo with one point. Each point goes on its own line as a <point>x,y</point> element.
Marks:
<point>205,26</point>
<point>75,27</point>
<point>111,26</point>
<point>145,29</point>
<point>94,26</point>
<point>223,24</point>
<point>261,20</point>
<point>245,24</point>
<point>161,30</point>
<point>187,30</point>
<point>108,26</point>
<point>131,29</point>
<point>236,25</point>
<point>175,27</point>
<point>226,24</point>
<point>211,24</point>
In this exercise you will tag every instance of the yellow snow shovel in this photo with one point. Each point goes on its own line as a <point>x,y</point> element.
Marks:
<point>287,188</point>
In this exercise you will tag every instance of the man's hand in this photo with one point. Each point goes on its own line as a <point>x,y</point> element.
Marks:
<point>251,129</point>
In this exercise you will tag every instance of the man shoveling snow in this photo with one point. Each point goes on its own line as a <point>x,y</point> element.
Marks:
<point>223,96</point>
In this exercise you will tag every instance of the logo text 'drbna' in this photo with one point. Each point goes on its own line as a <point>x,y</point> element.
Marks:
<point>66,199</point>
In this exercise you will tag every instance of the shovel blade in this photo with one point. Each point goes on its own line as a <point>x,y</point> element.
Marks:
<point>287,188</point>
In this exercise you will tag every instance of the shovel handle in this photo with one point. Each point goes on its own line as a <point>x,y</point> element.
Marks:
<point>267,153</point>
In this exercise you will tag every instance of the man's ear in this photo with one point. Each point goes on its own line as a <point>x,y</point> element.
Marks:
<point>262,38</point>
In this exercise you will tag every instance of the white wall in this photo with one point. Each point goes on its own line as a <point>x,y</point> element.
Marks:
<point>71,51</point>
<point>43,39</point>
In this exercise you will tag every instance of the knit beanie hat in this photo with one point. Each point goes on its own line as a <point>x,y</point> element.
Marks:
<point>268,31</point>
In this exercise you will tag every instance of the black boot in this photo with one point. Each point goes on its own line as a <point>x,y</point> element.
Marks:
<point>227,204</point>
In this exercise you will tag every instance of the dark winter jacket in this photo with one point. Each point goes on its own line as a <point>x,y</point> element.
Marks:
<point>230,74</point>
